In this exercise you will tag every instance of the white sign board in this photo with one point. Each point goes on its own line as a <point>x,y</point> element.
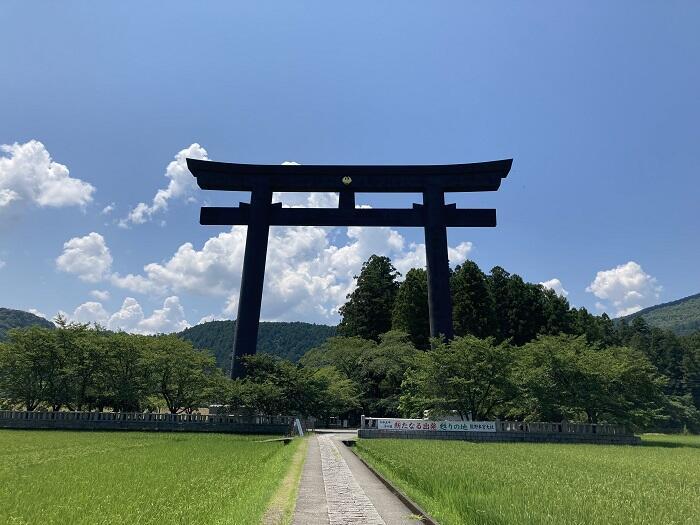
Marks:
<point>403,425</point>
<point>297,425</point>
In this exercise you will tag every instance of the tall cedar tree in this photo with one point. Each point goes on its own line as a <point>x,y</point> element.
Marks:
<point>557,316</point>
<point>691,366</point>
<point>473,307</point>
<point>519,307</point>
<point>410,313</point>
<point>663,348</point>
<point>367,313</point>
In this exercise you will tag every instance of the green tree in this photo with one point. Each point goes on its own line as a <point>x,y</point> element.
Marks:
<point>127,385</point>
<point>472,304</point>
<point>381,370</point>
<point>367,313</point>
<point>598,329</point>
<point>340,395</point>
<point>410,314</point>
<point>557,313</point>
<point>468,375</point>
<point>79,354</point>
<point>663,348</point>
<point>180,374</point>
<point>85,366</point>
<point>565,377</point>
<point>691,367</point>
<point>280,386</point>
<point>377,369</point>
<point>342,353</point>
<point>27,363</point>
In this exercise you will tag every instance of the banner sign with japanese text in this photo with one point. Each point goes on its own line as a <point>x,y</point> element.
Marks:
<point>435,426</point>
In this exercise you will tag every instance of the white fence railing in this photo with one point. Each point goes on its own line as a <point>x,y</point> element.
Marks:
<point>145,417</point>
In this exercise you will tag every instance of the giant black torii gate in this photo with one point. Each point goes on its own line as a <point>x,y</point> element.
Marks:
<point>433,215</point>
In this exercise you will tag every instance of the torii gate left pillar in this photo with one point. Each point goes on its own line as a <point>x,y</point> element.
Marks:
<point>433,215</point>
<point>245,337</point>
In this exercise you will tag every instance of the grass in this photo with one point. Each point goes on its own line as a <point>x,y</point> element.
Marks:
<point>50,477</point>
<point>282,506</point>
<point>521,483</point>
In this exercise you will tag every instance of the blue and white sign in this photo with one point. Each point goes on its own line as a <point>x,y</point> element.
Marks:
<point>435,426</point>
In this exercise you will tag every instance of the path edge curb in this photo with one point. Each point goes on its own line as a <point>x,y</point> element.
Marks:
<point>418,511</point>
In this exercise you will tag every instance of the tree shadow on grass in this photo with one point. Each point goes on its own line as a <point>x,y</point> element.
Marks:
<point>671,444</point>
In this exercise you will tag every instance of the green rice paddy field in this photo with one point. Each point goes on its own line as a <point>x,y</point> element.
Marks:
<point>49,477</point>
<point>521,483</point>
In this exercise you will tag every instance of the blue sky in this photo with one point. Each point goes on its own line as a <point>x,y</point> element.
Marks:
<point>598,104</point>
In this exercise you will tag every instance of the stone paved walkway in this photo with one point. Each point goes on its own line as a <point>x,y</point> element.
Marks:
<point>347,502</point>
<point>337,489</point>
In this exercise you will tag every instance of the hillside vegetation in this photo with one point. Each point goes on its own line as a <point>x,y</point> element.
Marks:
<point>681,317</point>
<point>286,340</point>
<point>520,352</point>
<point>10,318</point>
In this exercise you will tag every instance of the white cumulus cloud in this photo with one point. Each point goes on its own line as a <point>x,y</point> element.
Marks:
<point>87,257</point>
<point>100,295</point>
<point>555,284</point>
<point>137,283</point>
<point>414,256</point>
<point>2,264</point>
<point>307,276</point>
<point>28,175</point>
<point>90,312</point>
<point>130,317</point>
<point>181,185</point>
<point>628,288</point>
<point>170,318</point>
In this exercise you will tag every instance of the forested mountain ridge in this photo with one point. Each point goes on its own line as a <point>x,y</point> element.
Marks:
<point>10,318</point>
<point>289,340</point>
<point>681,316</point>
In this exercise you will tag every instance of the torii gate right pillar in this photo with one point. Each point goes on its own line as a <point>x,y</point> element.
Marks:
<point>439,298</point>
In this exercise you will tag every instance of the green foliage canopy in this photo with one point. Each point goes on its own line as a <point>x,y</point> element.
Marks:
<point>469,376</point>
<point>83,368</point>
<point>565,377</point>
<point>410,313</point>
<point>367,313</point>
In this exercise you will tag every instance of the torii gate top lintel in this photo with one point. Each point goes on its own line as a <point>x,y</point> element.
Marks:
<point>478,176</point>
<point>433,215</point>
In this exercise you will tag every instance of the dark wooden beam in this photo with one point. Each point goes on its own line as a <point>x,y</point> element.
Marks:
<point>479,176</point>
<point>346,200</point>
<point>278,216</point>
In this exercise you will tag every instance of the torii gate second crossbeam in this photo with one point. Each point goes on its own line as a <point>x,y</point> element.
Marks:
<point>433,215</point>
